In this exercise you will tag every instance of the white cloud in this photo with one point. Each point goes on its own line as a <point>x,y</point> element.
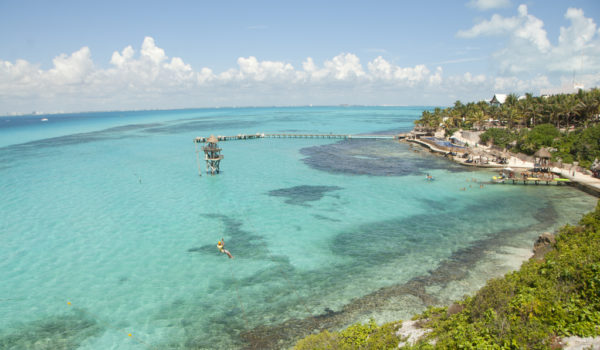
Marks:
<point>436,79</point>
<point>149,78</point>
<point>484,5</point>
<point>19,79</point>
<point>524,28</point>
<point>151,52</point>
<point>512,84</point>
<point>205,76</point>
<point>121,59</point>
<point>380,69</point>
<point>344,66</point>
<point>528,50</point>
<point>72,69</point>
<point>252,69</point>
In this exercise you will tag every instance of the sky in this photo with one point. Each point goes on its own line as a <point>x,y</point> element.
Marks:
<point>69,56</point>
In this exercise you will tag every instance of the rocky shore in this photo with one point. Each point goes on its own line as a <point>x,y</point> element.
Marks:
<point>411,330</point>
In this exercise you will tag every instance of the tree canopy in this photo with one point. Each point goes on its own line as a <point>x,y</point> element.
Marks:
<point>568,123</point>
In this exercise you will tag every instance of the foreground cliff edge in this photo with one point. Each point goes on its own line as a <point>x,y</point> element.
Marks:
<point>554,296</point>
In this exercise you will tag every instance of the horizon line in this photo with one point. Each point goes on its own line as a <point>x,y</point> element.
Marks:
<point>36,113</point>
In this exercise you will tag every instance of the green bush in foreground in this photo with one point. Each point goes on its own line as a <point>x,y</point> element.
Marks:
<point>526,309</point>
<point>529,308</point>
<point>357,336</point>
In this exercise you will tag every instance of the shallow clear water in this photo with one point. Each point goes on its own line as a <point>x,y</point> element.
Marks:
<point>107,211</point>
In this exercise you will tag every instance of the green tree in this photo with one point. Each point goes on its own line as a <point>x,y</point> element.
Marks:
<point>542,135</point>
<point>498,137</point>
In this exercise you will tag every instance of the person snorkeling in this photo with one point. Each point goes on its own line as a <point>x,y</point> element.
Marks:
<point>221,247</point>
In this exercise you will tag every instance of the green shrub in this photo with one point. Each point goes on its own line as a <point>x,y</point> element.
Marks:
<point>559,296</point>
<point>587,146</point>
<point>357,336</point>
<point>498,137</point>
<point>450,132</point>
<point>542,135</point>
<point>323,340</point>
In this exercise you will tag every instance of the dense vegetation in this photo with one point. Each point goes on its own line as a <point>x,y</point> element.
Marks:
<point>567,123</point>
<point>546,299</point>
<point>581,145</point>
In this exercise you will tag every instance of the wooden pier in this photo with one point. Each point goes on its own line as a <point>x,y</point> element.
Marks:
<point>528,181</point>
<point>300,136</point>
<point>213,156</point>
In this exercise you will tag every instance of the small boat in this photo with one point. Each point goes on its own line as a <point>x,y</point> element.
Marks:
<point>506,173</point>
<point>499,179</point>
<point>44,119</point>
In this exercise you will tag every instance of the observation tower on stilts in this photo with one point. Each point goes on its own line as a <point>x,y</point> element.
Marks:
<point>212,155</point>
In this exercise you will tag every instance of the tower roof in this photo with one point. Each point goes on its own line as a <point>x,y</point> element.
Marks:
<point>212,139</point>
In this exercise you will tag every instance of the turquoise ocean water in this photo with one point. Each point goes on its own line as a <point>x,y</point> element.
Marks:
<point>106,211</point>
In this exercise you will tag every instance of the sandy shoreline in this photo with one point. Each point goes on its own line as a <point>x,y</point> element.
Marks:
<point>584,182</point>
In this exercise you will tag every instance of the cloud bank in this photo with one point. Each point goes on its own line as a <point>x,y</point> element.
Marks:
<point>528,48</point>
<point>149,78</point>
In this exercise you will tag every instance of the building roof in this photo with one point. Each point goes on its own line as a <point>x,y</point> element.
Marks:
<point>212,139</point>
<point>543,153</point>
<point>498,98</point>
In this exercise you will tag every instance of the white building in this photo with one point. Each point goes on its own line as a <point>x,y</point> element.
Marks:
<point>498,99</point>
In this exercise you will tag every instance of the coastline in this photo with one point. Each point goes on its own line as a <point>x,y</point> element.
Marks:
<point>493,259</point>
<point>463,273</point>
<point>578,179</point>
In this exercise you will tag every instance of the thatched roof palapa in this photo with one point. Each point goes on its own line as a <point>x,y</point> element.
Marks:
<point>212,139</point>
<point>543,153</point>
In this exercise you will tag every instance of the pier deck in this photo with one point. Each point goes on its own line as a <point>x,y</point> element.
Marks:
<point>535,181</point>
<point>300,136</point>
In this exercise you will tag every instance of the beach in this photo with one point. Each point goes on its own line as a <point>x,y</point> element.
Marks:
<point>578,177</point>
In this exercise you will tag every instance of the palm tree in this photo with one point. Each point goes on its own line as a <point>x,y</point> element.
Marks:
<point>480,117</point>
<point>569,105</point>
<point>528,109</point>
<point>510,109</point>
<point>553,111</point>
<point>588,105</point>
